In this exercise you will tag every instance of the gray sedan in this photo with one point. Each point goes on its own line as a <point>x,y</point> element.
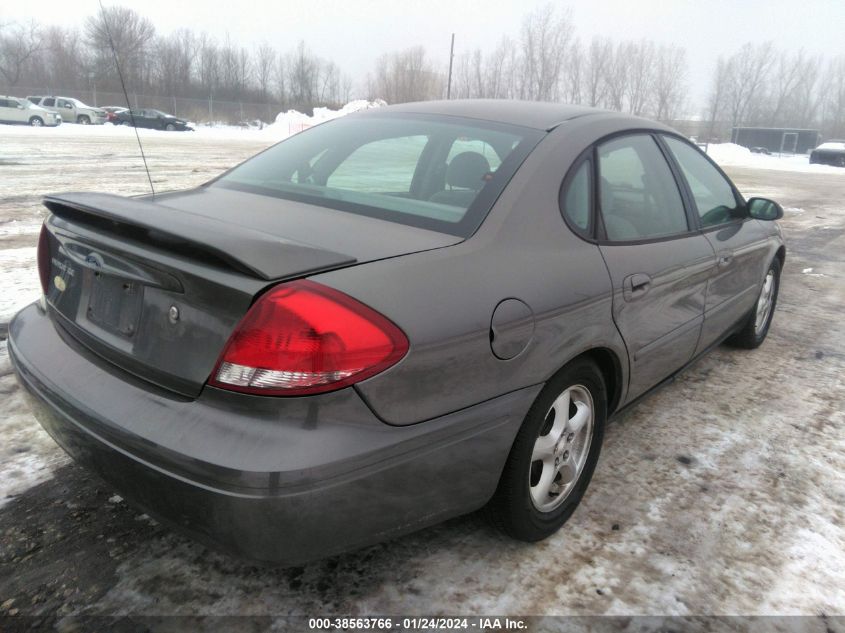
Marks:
<point>396,317</point>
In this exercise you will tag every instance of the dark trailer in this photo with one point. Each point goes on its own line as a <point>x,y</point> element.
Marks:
<point>776,139</point>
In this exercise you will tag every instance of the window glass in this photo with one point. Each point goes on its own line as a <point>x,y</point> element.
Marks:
<point>714,197</point>
<point>385,166</point>
<point>4,103</point>
<point>49,102</point>
<point>415,169</point>
<point>638,196</point>
<point>577,198</point>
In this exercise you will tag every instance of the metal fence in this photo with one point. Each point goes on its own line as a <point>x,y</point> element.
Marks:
<point>198,110</point>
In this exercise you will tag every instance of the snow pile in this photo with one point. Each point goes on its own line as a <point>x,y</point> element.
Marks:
<point>293,121</point>
<point>730,154</point>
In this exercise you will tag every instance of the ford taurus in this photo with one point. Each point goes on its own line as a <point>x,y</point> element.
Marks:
<point>396,317</point>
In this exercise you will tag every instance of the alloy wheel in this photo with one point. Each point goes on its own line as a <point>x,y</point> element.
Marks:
<point>764,303</point>
<point>560,451</point>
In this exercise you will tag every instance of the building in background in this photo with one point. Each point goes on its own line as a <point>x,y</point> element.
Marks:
<point>776,140</point>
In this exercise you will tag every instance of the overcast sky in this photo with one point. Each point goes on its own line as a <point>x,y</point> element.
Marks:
<point>355,33</point>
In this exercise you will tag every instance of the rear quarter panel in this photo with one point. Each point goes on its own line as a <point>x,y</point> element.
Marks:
<point>444,299</point>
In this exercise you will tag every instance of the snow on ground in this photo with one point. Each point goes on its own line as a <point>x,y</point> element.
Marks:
<point>18,279</point>
<point>737,156</point>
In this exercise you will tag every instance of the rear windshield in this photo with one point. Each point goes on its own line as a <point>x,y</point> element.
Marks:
<point>440,173</point>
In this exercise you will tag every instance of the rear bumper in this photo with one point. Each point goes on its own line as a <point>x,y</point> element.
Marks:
<point>285,480</point>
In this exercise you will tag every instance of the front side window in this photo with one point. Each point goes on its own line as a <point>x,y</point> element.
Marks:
<point>713,194</point>
<point>441,173</point>
<point>638,196</point>
<point>49,102</point>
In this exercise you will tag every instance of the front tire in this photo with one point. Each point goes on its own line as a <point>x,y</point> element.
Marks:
<point>756,327</point>
<point>83,120</point>
<point>554,455</point>
<point>170,127</point>
<point>36,121</point>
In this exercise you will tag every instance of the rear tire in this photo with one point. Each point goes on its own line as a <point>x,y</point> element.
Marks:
<point>553,456</point>
<point>36,121</point>
<point>83,120</point>
<point>756,327</point>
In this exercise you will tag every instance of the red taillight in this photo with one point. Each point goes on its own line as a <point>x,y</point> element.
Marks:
<point>44,258</point>
<point>302,338</point>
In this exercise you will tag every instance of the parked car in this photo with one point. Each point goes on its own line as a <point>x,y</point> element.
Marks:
<point>112,112</point>
<point>829,153</point>
<point>154,119</point>
<point>71,110</point>
<point>14,110</point>
<point>760,150</point>
<point>393,318</point>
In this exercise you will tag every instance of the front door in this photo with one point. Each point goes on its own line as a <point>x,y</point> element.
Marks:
<point>658,266</point>
<point>741,244</point>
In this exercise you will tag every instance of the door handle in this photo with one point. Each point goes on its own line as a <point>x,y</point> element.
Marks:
<point>635,286</point>
<point>725,259</point>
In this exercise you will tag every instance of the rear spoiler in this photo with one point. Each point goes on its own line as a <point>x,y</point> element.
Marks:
<point>249,251</point>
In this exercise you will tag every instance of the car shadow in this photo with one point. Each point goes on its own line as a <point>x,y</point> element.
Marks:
<point>66,543</point>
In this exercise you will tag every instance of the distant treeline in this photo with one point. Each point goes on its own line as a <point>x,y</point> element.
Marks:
<point>758,84</point>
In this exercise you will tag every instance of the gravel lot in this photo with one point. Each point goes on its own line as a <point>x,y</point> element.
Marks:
<point>723,493</point>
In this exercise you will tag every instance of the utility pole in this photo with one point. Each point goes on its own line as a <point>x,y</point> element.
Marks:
<point>451,57</point>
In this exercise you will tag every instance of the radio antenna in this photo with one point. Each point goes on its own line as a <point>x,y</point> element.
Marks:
<point>126,95</point>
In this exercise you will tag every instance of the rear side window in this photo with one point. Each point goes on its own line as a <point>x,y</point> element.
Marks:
<point>638,196</point>
<point>385,166</point>
<point>714,197</point>
<point>577,197</point>
<point>4,103</point>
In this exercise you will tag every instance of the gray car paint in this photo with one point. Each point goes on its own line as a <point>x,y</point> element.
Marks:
<point>444,298</point>
<point>275,479</point>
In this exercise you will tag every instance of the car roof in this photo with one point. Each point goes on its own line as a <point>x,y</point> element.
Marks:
<point>535,114</point>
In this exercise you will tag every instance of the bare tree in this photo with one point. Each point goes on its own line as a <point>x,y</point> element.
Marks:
<point>209,64</point>
<point>834,97</point>
<point>573,75</point>
<point>265,68</point>
<point>669,82</point>
<point>640,76</point>
<point>597,63</point>
<point>617,76</point>
<point>406,76</point>
<point>18,43</point>
<point>717,100</point>
<point>546,37</point>
<point>748,72</point>
<point>130,33</point>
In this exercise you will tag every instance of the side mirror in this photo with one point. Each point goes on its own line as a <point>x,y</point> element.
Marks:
<point>21,107</point>
<point>764,209</point>
<point>68,106</point>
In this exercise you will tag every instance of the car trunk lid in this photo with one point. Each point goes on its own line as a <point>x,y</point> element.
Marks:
<point>156,286</point>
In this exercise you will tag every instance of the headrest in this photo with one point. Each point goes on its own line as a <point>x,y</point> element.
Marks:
<point>467,171</point>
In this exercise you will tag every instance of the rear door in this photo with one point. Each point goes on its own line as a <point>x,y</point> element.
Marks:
<point>740,242</point>
<point>658,263</point>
